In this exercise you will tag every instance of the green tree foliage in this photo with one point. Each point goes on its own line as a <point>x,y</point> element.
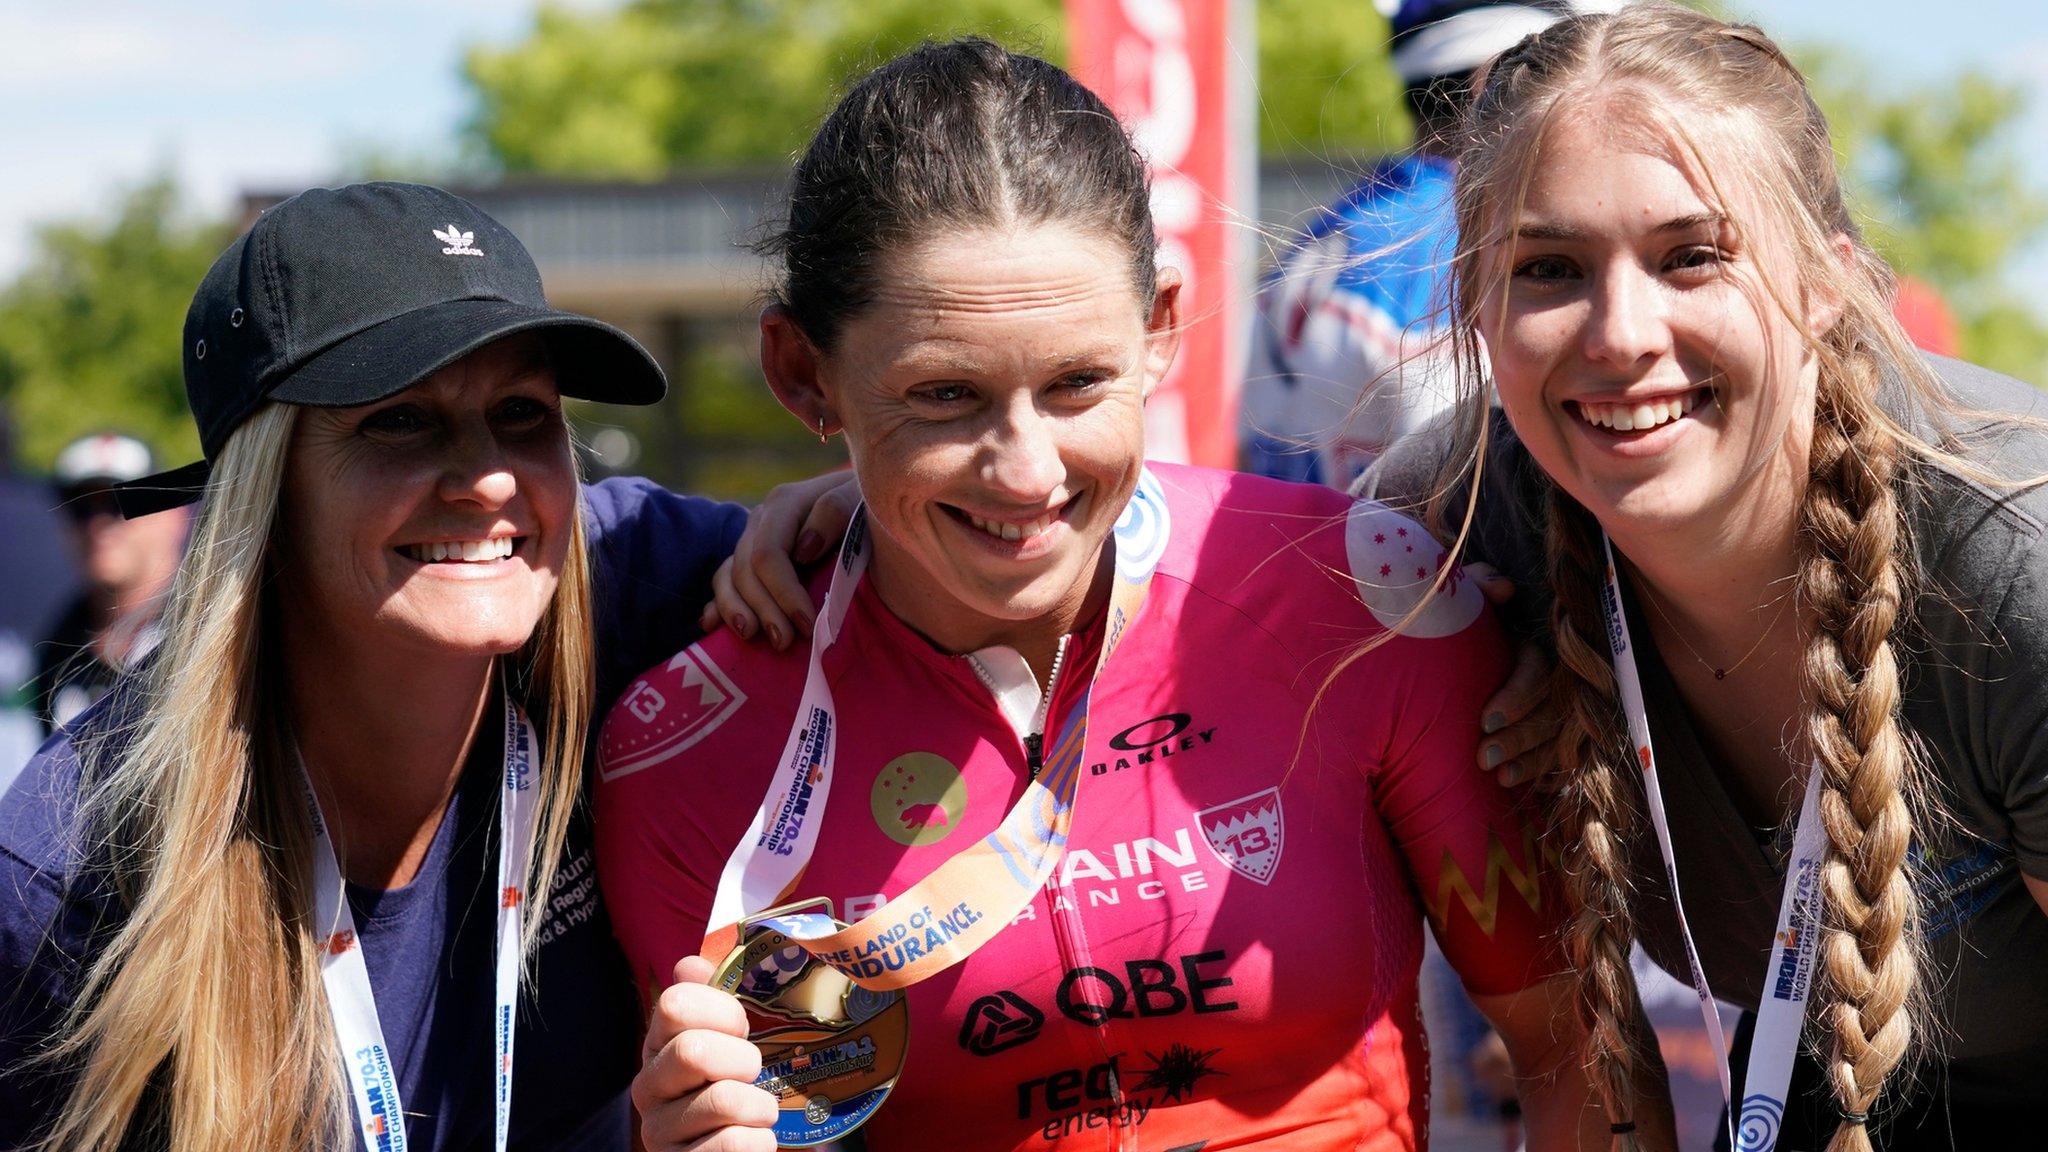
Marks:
<point>90,332</point>
<point>1326,85</point>
<point>658,84</point>
<point>641,89</point>
<point>1935,171</point>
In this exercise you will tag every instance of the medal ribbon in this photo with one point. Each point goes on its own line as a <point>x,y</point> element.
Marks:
<point>380,1117</point>
<point>1781,1015</point>
<point>942,919</point>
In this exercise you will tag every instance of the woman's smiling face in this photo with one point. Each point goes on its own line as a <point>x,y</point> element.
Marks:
<point>1637,345</point>
<point>436,521</point>
<point>993,399</point>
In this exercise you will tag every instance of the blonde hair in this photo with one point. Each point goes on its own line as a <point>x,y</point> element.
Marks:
<point>208,998</point>
<point>1732,80</point>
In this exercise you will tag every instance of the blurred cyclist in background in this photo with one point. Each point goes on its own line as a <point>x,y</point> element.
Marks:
<point>125,566</point>
<point>1345,351</point>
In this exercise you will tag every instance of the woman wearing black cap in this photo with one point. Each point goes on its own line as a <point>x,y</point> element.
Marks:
<point>305,870</point>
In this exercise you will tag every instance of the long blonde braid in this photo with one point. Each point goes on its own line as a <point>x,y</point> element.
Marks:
<point>1593,811</point>
<point>1851,578</point>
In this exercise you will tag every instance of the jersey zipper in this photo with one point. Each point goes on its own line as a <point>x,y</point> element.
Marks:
<point>1034,739</point>
<point>1070,936</point>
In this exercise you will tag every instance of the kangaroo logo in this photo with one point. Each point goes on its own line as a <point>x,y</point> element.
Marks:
<point>918,798</point>
<point>459,243</point>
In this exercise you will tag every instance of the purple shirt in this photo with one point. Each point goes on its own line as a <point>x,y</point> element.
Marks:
<point>428,944</point>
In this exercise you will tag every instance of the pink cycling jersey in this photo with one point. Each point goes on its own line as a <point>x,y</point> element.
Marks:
<point>1227,955</point>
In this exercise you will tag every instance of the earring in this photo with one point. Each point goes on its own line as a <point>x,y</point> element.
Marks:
<point>822,437</point>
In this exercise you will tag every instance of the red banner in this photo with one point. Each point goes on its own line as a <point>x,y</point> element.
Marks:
<point>1165,67</point>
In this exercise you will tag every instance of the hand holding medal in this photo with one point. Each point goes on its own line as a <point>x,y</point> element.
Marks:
<point>830,1049</point>
<point>810,1053</point>
<point>696,1081</point>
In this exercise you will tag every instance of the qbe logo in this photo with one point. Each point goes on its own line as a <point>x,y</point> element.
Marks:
<point>999,1021</point>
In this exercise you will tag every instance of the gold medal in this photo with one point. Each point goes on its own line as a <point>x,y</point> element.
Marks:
<point>830,1049</point>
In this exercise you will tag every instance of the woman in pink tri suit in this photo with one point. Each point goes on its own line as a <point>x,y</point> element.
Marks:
<point>1138,781</point>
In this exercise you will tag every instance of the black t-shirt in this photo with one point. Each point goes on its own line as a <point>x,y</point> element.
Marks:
<point>1975,672</point>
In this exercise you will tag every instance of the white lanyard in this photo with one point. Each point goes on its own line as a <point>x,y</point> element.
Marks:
<point>379,1116</point>
<point>1781,1013</point>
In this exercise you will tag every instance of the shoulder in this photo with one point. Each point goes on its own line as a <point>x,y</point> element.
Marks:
<point>719,695</point>
<point>652,556</point>
<point>624,511</point>
<point>1295,555</point>
<point>1507,528</point>
<point>1978,533</point>
<point>39,812</point>
<point>683,760</point>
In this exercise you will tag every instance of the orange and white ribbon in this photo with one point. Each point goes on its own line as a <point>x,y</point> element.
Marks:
<point>943,918</point>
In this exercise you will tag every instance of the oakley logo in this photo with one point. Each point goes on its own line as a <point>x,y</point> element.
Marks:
<point>999,1021</point>
<point>459,243</point>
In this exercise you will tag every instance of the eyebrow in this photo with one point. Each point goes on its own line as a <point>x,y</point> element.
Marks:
<point>1545,230</point>
<point>1106,354</point>
<point>935,362</point>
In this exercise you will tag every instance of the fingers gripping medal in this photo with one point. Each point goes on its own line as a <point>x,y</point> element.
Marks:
<point>830,1049</point>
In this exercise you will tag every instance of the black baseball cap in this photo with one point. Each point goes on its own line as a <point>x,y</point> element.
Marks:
<point>344,296</point>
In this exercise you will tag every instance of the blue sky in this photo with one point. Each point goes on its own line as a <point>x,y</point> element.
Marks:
<point>230,94</point>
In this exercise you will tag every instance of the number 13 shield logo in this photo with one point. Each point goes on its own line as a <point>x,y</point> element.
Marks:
<point>1247,834</point>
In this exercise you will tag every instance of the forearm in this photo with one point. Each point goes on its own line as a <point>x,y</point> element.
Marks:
<point>1562,1113</point>
<point>1561,1106</point>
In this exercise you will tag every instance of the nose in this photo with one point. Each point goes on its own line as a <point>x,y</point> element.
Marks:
<point>477,469</point>
<point>1022,462</point>
<point>1627,321</point>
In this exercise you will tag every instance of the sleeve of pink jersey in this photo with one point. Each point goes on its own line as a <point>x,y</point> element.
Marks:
<point>657,826</point>
<point>1471,845</point>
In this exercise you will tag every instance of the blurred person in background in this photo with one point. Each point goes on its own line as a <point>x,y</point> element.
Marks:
<point>35,581</point>
<point>1346,351</point>
<point>1347,356</point>
<point>126,567</point>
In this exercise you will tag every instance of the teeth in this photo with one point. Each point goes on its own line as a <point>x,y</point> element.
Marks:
<point>1639,416</point>
<point>467,551</point>
<point>1012,531</point>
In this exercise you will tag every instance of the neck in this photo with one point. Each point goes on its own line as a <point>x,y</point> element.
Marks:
<point>384,736</point>
<point>1720,594</point>
<point>1711,574</point>
<point>120,610</point>
<point>952,627</point>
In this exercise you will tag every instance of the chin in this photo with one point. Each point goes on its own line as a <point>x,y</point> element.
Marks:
<point>1647,506</point>
<point>1021,604</point>
<point>465,629</point>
